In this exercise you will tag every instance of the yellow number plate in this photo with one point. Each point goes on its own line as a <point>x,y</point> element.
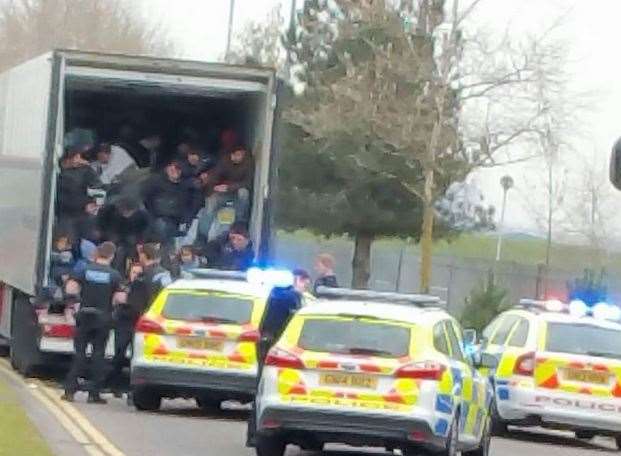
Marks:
<point>355,381</point>
<point>199,344</point>
<point>585,376</point>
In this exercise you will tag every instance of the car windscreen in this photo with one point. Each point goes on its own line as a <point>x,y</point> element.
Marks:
<point>355,336</point>
<point>583,339</point>
<point>208,307</point>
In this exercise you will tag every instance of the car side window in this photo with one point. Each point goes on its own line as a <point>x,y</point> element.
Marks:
<point>489,330</point>
<point>500,338</point>
<point>520,334</point>
<point>439,339</point>
<point>456,350</point>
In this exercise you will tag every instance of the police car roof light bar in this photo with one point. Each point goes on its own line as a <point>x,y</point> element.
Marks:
<point>420,300</point>
<point>216,274</point>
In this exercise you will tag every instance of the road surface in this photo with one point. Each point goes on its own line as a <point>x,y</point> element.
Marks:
<point>180,429</point>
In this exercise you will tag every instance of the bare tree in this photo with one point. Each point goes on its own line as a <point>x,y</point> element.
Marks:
<point>32,27</point>
<point>259,42</point>
<point>591,209</point>
<point>437,90</point>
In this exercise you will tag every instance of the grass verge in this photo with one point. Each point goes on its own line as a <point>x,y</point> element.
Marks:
<point>18,436</point>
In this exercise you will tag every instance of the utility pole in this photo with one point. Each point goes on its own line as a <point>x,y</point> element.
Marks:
<point>506,182</point>
<point>291,37</point>
<point>229,37</point>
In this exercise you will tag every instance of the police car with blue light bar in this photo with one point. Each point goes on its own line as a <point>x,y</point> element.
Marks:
<point>372,369</point>
<point>199,338</point>
<point>559,367</point>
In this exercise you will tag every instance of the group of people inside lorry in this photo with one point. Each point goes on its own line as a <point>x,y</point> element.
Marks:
<point>130,193</point>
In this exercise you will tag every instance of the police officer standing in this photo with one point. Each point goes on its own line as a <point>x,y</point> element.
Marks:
<point>99,282</point>
<point>155,276</point>
<point>282,303</point>
<point>127,312</point>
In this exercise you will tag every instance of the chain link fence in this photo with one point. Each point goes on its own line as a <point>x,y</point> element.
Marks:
<point>396,268</point>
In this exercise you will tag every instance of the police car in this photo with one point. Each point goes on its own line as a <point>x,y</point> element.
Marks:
<point>372,369</point>
<point>559,366</point>
<point>199,338</point>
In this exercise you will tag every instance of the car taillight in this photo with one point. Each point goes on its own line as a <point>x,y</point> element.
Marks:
<point>61,330</point>
<point>426,370</point>
<point>146,325</point>
<point>278,357</point>
<point>250,336</point>
<point>525,365</point>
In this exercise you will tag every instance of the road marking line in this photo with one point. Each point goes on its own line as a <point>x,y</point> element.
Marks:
<point>76,424</point>
<point>71,428</point>
<point>95,435</point>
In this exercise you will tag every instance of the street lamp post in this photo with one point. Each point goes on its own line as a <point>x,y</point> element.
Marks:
<point>506,182</point>
<point>229,37</point>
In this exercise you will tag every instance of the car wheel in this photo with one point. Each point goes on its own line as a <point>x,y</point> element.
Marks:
<point>208,403</point>
<point>486,440</point>
<point>270,446</point>
<point>498,427</point>
<point>146,400</point>
<point>585,435</point>
<point>452,442</point>
<point>618,441</point>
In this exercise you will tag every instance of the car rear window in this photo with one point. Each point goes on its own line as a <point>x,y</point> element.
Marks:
<point>582,339</point>
<point>355,337</point>
<point>208,307</point>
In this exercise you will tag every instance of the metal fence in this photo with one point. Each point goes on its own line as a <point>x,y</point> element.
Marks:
<point>394,268</point>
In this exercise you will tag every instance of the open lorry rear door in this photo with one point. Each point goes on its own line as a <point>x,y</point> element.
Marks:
<point>29,98</point>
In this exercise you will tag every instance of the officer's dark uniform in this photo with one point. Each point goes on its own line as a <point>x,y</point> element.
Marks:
<point>156,278</point>
<point>140,295</point>
<point>281,305</point>
<point>125,318</point>
<point>93,323</point>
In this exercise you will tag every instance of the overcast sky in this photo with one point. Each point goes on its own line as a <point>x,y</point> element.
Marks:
<point>591,27</point>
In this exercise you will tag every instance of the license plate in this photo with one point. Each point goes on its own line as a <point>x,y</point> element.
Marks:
<point>226,216</point>
<point>354,381</point>
<point>585,376</point>
<point>199,344</point>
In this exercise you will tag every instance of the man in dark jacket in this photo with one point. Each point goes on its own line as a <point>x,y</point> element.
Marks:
<point>127,225</point>
<point>233,251</point>
<point>171,200</point>
<point>324,266</point>
<point>155,277</point>
<point>93,322</point>
<point>129,308</point>
<point>282,304</point>
<point>230,180</point>
<point>194,161</point>
<point>76,177</point>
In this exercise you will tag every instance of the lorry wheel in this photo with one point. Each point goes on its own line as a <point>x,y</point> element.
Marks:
<point>25,354</point>
<point>13,357</point>
<point>146,400</point>
<point>270,446</point>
